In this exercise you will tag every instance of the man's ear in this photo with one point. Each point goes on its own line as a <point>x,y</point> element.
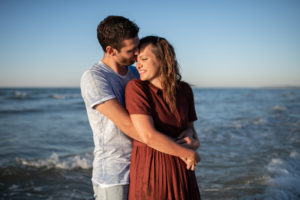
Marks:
<point>110,50</point>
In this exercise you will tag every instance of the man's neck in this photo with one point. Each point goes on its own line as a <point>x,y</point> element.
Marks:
<point>122,70</point>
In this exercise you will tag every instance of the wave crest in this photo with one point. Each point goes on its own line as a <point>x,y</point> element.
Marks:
<point>285,182</point>
<point>54,161</point>
<point>279,108</point>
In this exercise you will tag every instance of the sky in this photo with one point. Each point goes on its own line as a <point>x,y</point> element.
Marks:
<point>219,43</point>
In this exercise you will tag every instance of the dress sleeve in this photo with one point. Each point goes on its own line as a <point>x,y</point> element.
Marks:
<point>192,111</point>
<point>136,98</point>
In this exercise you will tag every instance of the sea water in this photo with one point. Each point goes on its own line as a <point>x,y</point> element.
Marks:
<point>250,144</point>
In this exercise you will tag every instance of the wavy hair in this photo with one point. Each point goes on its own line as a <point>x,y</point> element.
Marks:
<point>169,70</point>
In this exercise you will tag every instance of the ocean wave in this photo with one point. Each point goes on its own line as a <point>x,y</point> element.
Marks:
<point>279,108</point>
<point>18,111</point>
<point>65,96</point>
<point>58,107</point>
<point>294,154</point>
<point>285,179</point>
<point>54,161</point>
<point>19,95</point>
<point>259,121</point>
<point>57,96</point>
<point>240,123</point>
<point>289,94</point>
<point>35,94</point>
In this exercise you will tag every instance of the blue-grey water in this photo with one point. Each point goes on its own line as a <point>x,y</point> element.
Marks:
<point>250,144</point>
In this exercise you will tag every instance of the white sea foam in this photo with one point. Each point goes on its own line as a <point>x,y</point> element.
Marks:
<point>277,166</point>
<point>13,187</point>
<point>237,124</point>
<point>294,154</point>
<point>54,161</point>
<point>19,95</point>
<point>57,96</point>
<point>285,180</point>
<point>279,108</point>
<point>259,121</point>
<point>241,123</point>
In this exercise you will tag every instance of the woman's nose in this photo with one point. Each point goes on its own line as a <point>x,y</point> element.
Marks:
<point>138,65</point>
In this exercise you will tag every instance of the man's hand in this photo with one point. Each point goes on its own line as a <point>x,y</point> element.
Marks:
<point>187,139</point>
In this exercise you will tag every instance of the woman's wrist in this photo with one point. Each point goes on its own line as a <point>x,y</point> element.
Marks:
<point>190,154</point>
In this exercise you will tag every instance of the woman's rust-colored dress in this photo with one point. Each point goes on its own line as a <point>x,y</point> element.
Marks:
<point>153,174</point>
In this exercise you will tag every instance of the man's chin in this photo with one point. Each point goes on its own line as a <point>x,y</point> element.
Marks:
<point>131,62</point>
<point>125,64</point>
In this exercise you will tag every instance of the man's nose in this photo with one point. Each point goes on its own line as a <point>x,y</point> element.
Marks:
<point>136,51</point>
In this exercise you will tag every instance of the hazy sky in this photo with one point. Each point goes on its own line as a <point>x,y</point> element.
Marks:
<point>219,43</point>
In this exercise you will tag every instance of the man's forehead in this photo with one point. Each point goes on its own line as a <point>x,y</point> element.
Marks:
<point>131,42</point>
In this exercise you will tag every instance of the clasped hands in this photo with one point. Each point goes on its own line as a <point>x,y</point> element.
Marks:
<point>188,140</point>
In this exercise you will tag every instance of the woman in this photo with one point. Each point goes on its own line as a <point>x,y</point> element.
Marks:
<point>160,103</point>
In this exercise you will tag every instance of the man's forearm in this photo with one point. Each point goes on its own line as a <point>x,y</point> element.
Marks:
<point>128,129</point>
<point>113,110</point>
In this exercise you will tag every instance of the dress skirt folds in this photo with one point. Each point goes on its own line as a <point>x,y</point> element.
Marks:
<point>159,176</point>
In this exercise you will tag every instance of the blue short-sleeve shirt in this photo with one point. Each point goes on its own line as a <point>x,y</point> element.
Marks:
<point>112,147</point>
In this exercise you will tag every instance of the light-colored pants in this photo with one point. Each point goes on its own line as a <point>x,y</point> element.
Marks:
<point>118,192</point>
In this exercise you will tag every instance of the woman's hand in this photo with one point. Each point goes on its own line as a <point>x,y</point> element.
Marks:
<point>191,161</point>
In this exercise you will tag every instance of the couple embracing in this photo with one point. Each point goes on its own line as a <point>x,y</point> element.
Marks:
<point>141,118</point>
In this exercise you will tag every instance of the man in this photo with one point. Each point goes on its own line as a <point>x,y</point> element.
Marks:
<point>102,89</point>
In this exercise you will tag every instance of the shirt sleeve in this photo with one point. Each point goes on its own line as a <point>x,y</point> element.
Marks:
<point>95,88</point>
<point>192,111</point>
<point>136,98</point>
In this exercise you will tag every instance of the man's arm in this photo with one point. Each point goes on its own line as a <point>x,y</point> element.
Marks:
<point>119,116</point>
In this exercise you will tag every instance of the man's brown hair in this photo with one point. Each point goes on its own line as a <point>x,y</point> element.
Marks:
<point>114,29</point>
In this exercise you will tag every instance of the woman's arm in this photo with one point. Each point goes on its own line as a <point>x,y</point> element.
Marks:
<point>151,137</point>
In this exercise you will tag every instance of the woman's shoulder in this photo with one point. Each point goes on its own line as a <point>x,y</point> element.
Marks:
<point>136,85</point>
<point>184,85</point>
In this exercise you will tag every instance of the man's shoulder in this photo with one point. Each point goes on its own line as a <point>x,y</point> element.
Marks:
<point>133,71</point>
<point>95,74</point>
<point>132,68</point>
<point>96,70</point>
<point>100,68</point>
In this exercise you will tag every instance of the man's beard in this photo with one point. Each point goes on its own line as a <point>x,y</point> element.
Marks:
<point>126,62</point>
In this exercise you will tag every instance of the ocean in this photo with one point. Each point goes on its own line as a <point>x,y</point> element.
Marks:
<point>250,144</point>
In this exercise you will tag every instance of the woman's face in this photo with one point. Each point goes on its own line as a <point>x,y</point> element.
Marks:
<point>148,65</point>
